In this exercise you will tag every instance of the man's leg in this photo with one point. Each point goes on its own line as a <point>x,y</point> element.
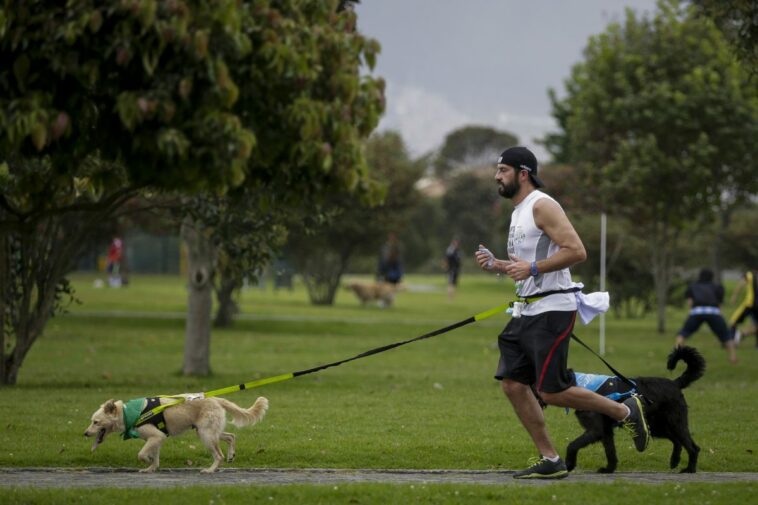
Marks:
<point>529,412</point>
<point>630,411</point>
<point>718,326</point>
<point>731,350</point>
<point>578,398</point>
<point>691,325</point>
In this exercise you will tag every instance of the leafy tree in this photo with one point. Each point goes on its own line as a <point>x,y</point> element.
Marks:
<point>662,123</point>
<point>738,20</point>
<point>474,211</point>
<point>96,103</point>
<point>348,225</point>
<point>471,146</point>
<point>425,237</point>
<point>742,236</point>
<point>100,102</point>
<point>302,93</point>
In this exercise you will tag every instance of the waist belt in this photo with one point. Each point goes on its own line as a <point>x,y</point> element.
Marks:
<point>538,296</point>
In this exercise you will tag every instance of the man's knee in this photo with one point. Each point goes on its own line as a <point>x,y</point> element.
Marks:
<point>512,388</point>
<point>551,398</point>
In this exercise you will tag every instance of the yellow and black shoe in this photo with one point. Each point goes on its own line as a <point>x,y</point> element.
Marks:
<point>635,422</point>
<point>543,468</point>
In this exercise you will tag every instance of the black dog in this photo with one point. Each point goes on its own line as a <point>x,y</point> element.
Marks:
<point>666,413</point>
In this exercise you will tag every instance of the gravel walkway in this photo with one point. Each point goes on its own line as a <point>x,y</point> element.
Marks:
<point>166,478</point>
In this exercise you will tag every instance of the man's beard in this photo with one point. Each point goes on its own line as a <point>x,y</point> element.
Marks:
<point>509,190</point>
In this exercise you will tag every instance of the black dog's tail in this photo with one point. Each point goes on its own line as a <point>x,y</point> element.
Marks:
<point>695,365</point>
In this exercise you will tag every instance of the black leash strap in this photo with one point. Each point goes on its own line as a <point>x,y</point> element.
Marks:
<point>540,296</point>
<point>377,350</point>
<point>615,372</point>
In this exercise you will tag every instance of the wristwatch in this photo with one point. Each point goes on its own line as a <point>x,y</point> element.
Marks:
<point>533,269</point>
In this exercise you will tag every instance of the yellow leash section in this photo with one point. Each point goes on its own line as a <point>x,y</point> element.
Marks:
<point>279,378</point>
<point>493,311</point>
<point>249,385</point>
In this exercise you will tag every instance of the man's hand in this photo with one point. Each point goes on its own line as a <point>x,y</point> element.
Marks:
<point>518,269</point>
<point>485,258</point>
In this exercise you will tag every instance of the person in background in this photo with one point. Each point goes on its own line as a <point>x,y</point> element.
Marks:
<point>390,262</point>
<point>453,264</point>
<point>115,253</point>
<point>704,298</point>
<point>747,308</point>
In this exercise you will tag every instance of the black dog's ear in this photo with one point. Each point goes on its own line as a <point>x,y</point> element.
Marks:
<point>109,407</point>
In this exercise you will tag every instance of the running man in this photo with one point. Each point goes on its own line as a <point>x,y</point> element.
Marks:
<point>542,245</point>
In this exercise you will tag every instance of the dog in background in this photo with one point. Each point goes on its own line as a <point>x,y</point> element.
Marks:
<point>666,414</point>
<point>206,415</point>
<point>382,292</point>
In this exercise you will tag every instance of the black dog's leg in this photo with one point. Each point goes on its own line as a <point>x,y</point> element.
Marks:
<point>676,454</point>
<point>677,430</point>
<point>610,447</point>
<point>692,452</point>
<point>581,442</point>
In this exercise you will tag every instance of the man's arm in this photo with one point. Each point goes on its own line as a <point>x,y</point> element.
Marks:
<point>550,218</point>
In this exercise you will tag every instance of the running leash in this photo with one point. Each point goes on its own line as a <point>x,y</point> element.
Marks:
<point>279,378</point>
<point>610,367</point>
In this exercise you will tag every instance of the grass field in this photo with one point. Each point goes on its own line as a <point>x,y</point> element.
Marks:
<point>431,404</point>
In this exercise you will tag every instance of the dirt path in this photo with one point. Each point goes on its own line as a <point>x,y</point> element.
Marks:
<point>126,478</point>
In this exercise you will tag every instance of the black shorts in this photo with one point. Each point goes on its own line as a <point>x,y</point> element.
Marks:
<point>534,350</point>
<point>452,277</point>
<point>715,321</point>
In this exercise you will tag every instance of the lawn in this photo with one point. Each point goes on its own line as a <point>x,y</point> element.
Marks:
<point>431,404</point>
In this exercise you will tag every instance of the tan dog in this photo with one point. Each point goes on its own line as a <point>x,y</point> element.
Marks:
<point>206,415</point>
<point>383,292</point>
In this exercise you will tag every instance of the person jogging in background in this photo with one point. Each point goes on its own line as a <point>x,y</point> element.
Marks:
<point>542,245</point>
<point>704,297</point>
<point>748,308</point>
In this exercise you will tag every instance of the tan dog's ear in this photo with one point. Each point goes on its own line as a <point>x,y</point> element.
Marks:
<point>109,407</point>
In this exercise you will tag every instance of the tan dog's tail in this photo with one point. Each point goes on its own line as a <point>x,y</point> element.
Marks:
<point>243,417</point>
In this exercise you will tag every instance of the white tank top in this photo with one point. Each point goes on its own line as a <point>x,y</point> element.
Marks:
<point>529,243</point>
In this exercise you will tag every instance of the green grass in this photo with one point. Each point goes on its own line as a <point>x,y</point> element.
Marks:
<point>564,493</point>
<point>431,404</point>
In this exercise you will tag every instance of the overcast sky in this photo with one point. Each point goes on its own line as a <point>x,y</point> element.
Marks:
<point>449,63</point>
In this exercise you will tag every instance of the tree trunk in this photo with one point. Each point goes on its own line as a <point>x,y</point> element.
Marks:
<point>200,265</point>
<point>32,269</point>
<point>661,295</point>
<point>227,307</point>
<point>717,246</point>
<point>663,242</point>
<point>322,273</point>
<point>4,289</point>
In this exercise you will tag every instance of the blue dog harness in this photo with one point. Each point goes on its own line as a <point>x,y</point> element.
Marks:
<point>609,386</point>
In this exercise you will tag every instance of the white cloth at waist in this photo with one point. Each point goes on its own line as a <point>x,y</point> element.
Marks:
<point>702,310</point>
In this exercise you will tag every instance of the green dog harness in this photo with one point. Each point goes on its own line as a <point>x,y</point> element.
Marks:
<point>133,409</point>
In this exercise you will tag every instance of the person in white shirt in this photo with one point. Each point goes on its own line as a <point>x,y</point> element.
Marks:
<point>542,245</point>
